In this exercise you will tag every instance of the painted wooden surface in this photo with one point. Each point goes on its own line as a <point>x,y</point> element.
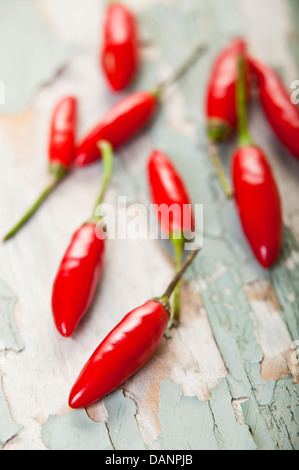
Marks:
<point>228,378</point>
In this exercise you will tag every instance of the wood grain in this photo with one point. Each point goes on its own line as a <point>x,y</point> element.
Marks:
<point>227,379</point>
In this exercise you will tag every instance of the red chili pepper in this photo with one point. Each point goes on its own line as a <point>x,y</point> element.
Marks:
<point>120,55</point>
<point>125,350</point>
<point>61,153</point>
<point>282,114</point>
<point>175,214</point>
<point>81,266</point>
<point>62,135</point>
<point>256,192</point>
<point>221,111</point>
<point>167,187</point>
<point>127,117</point>
<point>221,92</point>
<point>258,202</point>
<point>119,125</point>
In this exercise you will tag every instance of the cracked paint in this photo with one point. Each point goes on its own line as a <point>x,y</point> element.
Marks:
<point>8,428</point>
<point>75,430</point>
<point>243,341</point>
<point>224,380</point>
<point>10,339</point>
<point>228,273</point>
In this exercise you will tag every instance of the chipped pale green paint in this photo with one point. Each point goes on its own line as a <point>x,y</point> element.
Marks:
<point>225,265</point>
<point>224,245</point>
<point>285,280</point>
<point>186,423</point>
<point>9,339</point>
<point>9,334</point>
<point>231,435</point>
<point>75,431</point>
<point>34,44</point>
<point>121,423</point>
<point>282,416</point>
<point>190,424</point>
<point>8,428</point>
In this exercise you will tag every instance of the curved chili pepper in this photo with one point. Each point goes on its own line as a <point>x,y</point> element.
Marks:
<point>256,192</point>
<point>77,278</point>
<point>125,350</point>
<point>169,194</point>
<point>61,153</point>
<point>120,56</point>
<point>82,265</point>
<point>119,125</point>
<point>282,114</point>
<point>128,117</point>
<point>221,111</point>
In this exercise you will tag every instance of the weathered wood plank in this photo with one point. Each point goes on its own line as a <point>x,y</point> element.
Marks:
<point>227,379</point>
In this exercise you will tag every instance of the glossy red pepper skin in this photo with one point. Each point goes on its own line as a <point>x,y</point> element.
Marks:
<point>281,113</point>
<point>258,203</point>
<point>77,278</point>
<point>122,353</point>
<point>120,52</point>
<point>119,125</point>
<point>221,111</point>
<point>167,187</point>
<point>62,142</point>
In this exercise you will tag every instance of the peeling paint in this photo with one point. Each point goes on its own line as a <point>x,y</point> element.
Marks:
<point>186,423</point>
<point>75,431</point>
<point>243,342</point>
<point>8,428</point>
<point>121,423</point>
<point>10,337</point>
<point>224,381</point>
<point>250,314</point>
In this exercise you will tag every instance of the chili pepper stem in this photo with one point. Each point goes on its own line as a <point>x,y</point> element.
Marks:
<point>244,136</point>
<point>178,252</point>
<point>213,152</point>
<point>55,181</point>
<point>180,72</point>
<point>106,150</point>
<point>180,273</point>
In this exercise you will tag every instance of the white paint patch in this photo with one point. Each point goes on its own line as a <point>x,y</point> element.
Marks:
<point>271,331</point>
<point>292,261</point>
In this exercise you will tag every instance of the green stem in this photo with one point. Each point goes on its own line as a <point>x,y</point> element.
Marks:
<point>184,67</point>
<point>56,180</point>
<point>178,251</point>
<point>220,170</point>
<point>244,136</point>
<point>180,274</point>
<point>106,150</point>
